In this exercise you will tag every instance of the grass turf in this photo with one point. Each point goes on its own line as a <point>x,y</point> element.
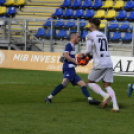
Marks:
<point>23,110</point>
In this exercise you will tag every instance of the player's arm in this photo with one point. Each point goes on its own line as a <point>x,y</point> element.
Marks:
<point>67,56</point>
<point>89,48</point>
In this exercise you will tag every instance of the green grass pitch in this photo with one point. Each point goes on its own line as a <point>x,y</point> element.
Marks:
<point>23,110</point>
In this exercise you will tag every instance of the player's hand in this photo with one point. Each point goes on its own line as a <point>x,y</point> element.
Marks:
<point>82,55</point>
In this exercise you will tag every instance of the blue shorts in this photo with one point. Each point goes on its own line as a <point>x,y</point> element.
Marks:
<point>72,76</point>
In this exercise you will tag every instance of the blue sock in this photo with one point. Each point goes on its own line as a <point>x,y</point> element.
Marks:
<point>85,92</point>
<point>57,89</point>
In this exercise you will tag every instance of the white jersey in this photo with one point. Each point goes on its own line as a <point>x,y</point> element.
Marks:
<point>97,46</point>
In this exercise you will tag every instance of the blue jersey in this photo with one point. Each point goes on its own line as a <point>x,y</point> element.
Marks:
<point>71,50</point>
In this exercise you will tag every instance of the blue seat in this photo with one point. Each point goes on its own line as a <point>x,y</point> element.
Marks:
<point>3,17</point>
<point>77,4</point>
<point>82,23</point>
<point>129,5</point>
<point>67,3</point>
<point>116,36</point>
<point>89,14</point>
<point>84,34</point>
<point>2,2</point>
<point>68,13</point>
<point>48,23</point>
<point>70,23</point>
<point>59,24</point>
<point>122,15</point>
<point>11,11</point>
<point>131,16</point>
<point>79,13</point>
<point>48,35</point>
<point>68,36</point>
<point>61,34</point>
<point>40,32</point>
<point>114,25</point>
<point>125,26</point>
<point>127,37</point>
<point>58,13</point>
<point>87,4</point>
<point>98,4</point>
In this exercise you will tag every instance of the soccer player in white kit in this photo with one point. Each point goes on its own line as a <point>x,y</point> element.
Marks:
<point>97,46</point>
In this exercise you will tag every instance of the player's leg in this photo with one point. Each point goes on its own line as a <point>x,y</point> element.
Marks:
<point>130,89</point>
<point>95,76</point>
<point>85,92</point>
<point>64,84</point>
<point>107,80</point>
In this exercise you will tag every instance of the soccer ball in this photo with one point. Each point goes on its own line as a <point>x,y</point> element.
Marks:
<point>82,61</point>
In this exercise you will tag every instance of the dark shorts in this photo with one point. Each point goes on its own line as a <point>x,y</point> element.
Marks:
<point>72,76</point>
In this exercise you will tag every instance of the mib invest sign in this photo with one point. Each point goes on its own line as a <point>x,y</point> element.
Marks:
<point>50,61</point>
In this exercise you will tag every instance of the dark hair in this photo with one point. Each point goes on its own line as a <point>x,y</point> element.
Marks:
<point>73,33</point>
<point>95,21</point>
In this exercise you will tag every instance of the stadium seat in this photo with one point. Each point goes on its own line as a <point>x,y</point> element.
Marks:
<point>122,15</point>
<point>129,5</point>
<point>2,2</point>
<point>48,35</point>
<point>67,3</point>
<point>79,13</point>
<point>87,26</point>
<point>103,24</point>
<point>127,38</point>
<point>77,4</point>
<point>70,23</point>
<point>9,2</point>
<point>108,4</point>
<point>11,11</point>
<point>59,24</point>
<point>100,14</point>
<point>68,13</point>
<point>116,37</point>
<point>68,36</point>
<point>3,17</point>
<point>19,3</point>
<point>131,16</point>
<point>125,26</point>
<point>58,13</point>
<point>61,34</point>
<point>87,4</point>
<point>119,4</point>
<point>111,14</point>
<point>82,23</point>
<point>40,32</point>
<point>84,34</point>
<point>2,10</point>
<point>114,25</point>
<point>48,23</point>
<point>97,4</point>
<point>89,14</point>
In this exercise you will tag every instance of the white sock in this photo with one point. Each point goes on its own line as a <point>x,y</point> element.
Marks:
<point>97,89</point>
<point>133,86</point>
<point>90,98</point>
<point>50,96</point>
<point>111,92</point>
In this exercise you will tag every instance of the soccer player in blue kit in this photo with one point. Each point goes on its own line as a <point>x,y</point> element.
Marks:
<point>70,75</point>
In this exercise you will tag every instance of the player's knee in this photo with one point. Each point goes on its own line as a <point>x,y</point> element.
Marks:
<point>65,83</point>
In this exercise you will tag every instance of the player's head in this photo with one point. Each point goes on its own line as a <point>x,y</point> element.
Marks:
<point>94,24</point>
<point>75,37</point>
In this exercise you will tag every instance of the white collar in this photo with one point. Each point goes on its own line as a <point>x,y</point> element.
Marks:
<point>72,44</point>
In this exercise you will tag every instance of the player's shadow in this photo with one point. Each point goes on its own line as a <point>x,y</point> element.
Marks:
<point>79,100</point>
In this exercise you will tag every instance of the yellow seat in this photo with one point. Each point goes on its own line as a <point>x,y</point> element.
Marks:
<point>108,4</point>
<point>111,14</point>
<point>103,24</point>
<point>9,2</point>
<point>2,10</point>
<point>119,4</point>
<point>100,14</point>
<point>20,3</point>
<point>87,26</point>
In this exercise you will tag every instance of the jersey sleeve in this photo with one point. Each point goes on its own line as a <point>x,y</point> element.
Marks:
<point>68,48</point>
<point>89,45</point>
